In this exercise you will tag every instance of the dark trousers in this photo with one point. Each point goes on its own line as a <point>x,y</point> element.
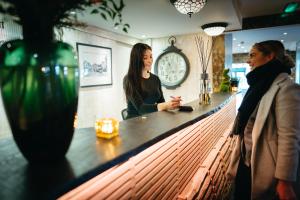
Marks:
<point>243,182</point>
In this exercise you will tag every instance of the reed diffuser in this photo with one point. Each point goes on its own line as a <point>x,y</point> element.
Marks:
<point>204,49</point>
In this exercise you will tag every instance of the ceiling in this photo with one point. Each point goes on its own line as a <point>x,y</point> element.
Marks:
<point>243,40</point>
<point>159,18</point>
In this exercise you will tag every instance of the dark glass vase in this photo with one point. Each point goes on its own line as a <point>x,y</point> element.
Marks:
<point>39,87</point>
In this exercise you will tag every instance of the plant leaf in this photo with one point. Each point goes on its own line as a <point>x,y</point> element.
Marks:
<point>104,3</point>
<point>103,16</point>
<point>114,15</point>
<point>103,8</point>
<point>114,5</point>
<point>109,12</point>
<point>122,5</point>
<point>95,11</point>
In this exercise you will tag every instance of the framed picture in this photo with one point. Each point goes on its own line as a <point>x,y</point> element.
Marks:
<point>94,65</point>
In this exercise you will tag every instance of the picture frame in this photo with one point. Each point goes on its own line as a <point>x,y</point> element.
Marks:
<point>95,65</point>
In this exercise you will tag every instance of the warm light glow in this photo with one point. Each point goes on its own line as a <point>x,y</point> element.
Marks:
<point>214,29</point>
<point>75,121</point>
<point>234,89</point>
<point>107,128</point>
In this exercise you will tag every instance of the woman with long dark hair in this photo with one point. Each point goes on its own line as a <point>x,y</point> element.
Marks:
<point>265,160</point>
<point>142,88</point>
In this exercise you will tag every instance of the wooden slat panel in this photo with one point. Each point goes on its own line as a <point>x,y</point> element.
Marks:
<point>174,168</point>
<point>214,181</point>
<point>152,177</point>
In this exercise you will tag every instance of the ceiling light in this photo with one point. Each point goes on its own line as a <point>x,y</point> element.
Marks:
<point>214,29</point>
<point>188,7</point>
<point>143,36</point>
<point>285,33</point>
<point>234,38</point>
<point>282,40</point>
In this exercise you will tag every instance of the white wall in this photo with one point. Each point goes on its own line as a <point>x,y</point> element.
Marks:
<point>190,88</point>
<point>108,101</point>
<point>102,101</point>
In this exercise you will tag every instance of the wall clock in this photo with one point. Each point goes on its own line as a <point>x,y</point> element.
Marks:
<point>172,66</point>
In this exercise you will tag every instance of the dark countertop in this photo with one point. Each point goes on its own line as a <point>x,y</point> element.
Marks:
<point>88,156</point>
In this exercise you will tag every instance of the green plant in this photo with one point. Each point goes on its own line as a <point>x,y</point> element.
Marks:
<point>225,84</point>
<point>43,15</point>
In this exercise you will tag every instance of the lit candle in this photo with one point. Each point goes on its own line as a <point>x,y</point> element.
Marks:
<point>107,128</point>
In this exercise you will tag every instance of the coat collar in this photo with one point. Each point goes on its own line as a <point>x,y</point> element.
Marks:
<point>265,106</point>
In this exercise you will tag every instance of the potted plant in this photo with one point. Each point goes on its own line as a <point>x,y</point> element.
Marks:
<point>39,77</point>
<point>225,84</point>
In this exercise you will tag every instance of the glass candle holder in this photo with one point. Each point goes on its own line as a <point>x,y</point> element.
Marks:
<point>107,128</point>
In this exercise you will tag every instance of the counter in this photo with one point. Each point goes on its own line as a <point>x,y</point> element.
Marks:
<point>88,156</point>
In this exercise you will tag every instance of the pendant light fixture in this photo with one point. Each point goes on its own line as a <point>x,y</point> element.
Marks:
<point>214,29</point>
<point>188,7</point>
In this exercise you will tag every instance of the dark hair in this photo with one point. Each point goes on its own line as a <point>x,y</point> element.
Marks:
<point>132,81</point>
<point>276,47</point>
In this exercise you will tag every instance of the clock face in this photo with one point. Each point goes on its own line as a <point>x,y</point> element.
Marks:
<point>172,69</point>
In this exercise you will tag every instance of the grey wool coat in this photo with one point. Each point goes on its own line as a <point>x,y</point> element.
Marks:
<point>276,139</point>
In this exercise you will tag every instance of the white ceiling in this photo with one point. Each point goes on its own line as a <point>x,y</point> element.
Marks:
<point>159,18</point>
<point>246,38</point>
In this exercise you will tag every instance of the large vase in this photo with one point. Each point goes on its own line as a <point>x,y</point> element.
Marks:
<point>39,87</point>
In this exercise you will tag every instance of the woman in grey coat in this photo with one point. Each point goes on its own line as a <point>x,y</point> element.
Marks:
<point>265,161</point>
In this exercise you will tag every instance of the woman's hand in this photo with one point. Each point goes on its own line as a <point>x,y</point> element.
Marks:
<point>169,105</point>
<point>285,190</point>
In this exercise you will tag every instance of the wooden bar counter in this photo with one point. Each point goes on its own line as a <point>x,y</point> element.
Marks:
<point>177,150</point>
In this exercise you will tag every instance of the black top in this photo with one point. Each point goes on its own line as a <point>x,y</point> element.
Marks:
<point>146,102</point>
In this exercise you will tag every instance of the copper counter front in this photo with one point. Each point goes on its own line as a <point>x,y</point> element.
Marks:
<point>188,164</point>
<point>162,155</point>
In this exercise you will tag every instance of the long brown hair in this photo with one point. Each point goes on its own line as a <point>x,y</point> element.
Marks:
<point>276,47</point>
<point>132,81</point>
